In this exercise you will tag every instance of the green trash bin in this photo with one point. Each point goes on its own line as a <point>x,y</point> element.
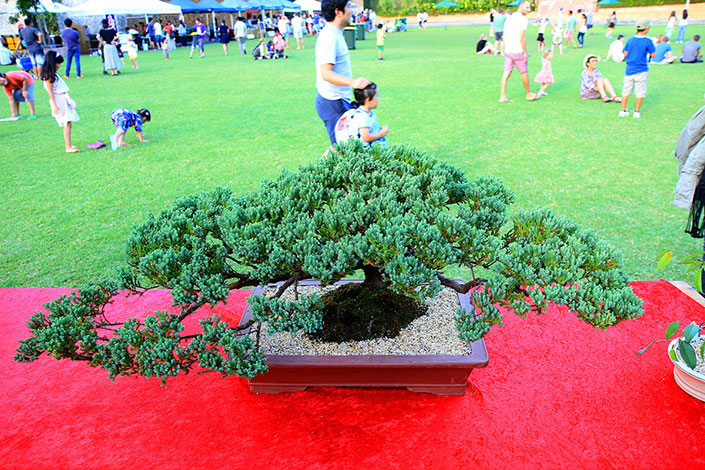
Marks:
<point>360,31</point>
<point>349,34</point>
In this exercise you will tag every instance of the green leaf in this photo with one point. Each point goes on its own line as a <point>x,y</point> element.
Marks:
<point>702,351</point>
<point>672,329</point>
<point>690,331</point>
<point>672,353</point>
<point>642,351</point>
<point>688,354</point>
<point>664,260</point>
<point>695,258</point>
<point>698,284</point>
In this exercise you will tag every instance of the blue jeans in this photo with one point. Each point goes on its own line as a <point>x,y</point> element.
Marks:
<point>330,111</point>
<point>680,36</point>
<point>581,38</point>
<point>76,55</point>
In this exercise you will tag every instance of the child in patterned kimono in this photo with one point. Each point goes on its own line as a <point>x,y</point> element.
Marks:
<point>123,119</point>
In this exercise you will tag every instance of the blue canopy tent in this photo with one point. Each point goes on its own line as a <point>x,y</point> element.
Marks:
<point>609,2</point>
<point>187,6</point>
<point>237,5</point>
<point>290,7</point>
<point>213,7</point>
<point>515,3</point>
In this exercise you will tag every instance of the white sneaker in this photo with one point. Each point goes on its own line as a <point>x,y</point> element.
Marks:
<point>624,113</point>
<point>636,115</point>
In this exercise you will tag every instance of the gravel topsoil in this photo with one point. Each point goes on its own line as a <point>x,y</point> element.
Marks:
<point>434,333</point>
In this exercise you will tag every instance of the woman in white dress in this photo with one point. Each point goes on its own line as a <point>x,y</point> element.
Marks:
<point>671,25</point>
<point>63,108</point>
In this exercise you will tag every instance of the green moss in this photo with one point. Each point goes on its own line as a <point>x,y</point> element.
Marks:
<point>355,312</point>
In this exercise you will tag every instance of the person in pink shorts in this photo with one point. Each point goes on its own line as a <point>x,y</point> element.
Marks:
<point>515,51</point>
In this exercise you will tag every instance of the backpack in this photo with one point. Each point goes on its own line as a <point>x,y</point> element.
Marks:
<point>343,128</point>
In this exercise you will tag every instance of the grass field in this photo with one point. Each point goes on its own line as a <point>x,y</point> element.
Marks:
<point>230,121</point>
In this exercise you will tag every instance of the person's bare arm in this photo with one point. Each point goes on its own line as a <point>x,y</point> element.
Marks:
<point>337,79</point>
<point>40,38</point>
<point>49,87</point>
<point>367,137</point>
<point>522,39</point>
<point>25,84</point>
<point>140,136</point>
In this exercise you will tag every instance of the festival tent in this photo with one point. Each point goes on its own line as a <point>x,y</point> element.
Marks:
<point>609,2</point>
<point>309,5</point>
<point>289,6</point>
<point>236,5</point>
<point>123,7</point>
<point>187,6</point>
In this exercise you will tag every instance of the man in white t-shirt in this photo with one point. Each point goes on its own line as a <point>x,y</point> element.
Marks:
<point>334,80</point>
<point>515,51</point>
<point>419,18</point>
<point>241,34</point>
<point>297,24</point>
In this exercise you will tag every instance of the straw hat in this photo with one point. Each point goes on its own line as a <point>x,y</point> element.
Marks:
<point>587,58</point>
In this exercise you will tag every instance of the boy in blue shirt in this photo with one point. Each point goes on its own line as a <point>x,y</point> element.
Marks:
<point>637,50</point>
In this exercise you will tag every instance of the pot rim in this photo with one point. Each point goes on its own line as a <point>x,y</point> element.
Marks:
<point>681,365</point>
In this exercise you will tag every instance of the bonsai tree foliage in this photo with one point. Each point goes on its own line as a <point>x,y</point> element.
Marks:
<point>396,214</point>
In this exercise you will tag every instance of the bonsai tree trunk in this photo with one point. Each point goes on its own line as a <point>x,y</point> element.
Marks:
<point>373,277</point>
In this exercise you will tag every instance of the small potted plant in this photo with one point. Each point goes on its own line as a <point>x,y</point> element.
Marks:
<point>687,351</point>
<point>394,216</point>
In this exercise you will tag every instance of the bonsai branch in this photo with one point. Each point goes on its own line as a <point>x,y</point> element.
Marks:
<point>458,286</point>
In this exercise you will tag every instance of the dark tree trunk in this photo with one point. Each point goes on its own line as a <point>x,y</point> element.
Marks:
<point>373,277</point>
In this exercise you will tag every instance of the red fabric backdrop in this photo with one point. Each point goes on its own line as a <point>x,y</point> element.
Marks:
<point>556,394</point>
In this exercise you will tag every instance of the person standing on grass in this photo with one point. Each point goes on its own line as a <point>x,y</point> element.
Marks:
<point>570,29</point>
<point>63,108</point>
<point>33,40</point>
<point>151,33</point>
<point>611,23</point>
<point>671,25</point>
<point>515,51</point>
<point>334,78</point>
<point>691,51</point>
<point>297,24</point>
<point>224,35</point>
<point>241,34</point>
<point>73,49</point>
<point>637,50</point>
<point>18,86</point>
<point>199,39</point>
<point>499,20</point>
<point>582,29</point>
<point>682,26</point>
<point>380,41</point>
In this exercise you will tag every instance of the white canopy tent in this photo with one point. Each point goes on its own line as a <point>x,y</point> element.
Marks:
<point>124,7</point>
<point>308,5</point>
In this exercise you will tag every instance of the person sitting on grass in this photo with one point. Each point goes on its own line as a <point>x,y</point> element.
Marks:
<point>664,52</point>
<point>123,119</point>
<point>483,46</point>
<point>691,51</point>
<point>593,85</point>
<point>616,51</point>
<point>261,51</point>
<point>361,122</point>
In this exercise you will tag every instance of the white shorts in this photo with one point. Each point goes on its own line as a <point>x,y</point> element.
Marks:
<point>635,84</point>
<point>298,33</point>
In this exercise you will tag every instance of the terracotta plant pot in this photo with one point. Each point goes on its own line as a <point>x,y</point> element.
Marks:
<point>437,374</point>
<point>692,382</point>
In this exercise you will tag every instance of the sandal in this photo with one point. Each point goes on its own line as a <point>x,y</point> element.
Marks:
<point>606,99</point>
<point>616,99</point>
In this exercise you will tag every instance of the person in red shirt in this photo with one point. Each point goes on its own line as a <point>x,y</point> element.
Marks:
<point>19,86</point>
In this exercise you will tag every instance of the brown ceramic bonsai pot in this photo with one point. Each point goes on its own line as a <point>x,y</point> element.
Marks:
<point>437,374</point>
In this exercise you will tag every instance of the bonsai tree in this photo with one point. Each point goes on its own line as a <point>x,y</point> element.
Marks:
<point>394,214</point>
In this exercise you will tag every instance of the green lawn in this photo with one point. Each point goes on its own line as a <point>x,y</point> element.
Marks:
<point>230,121</point>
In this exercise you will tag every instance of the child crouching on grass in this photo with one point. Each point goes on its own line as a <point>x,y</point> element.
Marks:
<point>361,122</point>
<point>123,119</point>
